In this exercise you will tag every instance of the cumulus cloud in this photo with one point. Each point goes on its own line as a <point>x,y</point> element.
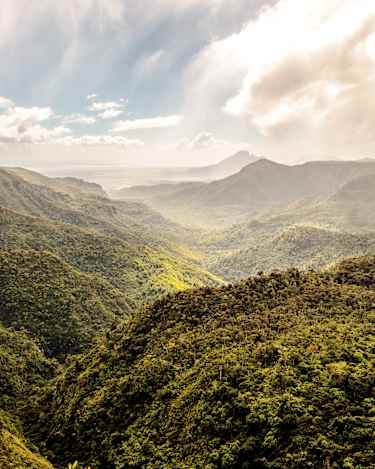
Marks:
<point>304,69</point>
<point>24,125</point>
<point>79,119</point>
<point>202,141</point>
<point>159,122</point>
<point>5,103</point>
<point>104,106</point>
<point>107,110</point>
<point>110,114</point>
<point>100,140</point>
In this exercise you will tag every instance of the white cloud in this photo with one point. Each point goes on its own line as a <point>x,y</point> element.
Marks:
<point>20,124</point>
<point>79,119</point>
<point>89,97</point>
<point>100,140</point>
<point>24,115</point>
<point>202,141</point>
<point>105,106</point>
<point>110,114</point>
<point>5,103</point>
<point>159,122</point>
<point>300,69</point>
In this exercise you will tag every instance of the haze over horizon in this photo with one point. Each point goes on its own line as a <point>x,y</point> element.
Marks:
<point>100,82</point>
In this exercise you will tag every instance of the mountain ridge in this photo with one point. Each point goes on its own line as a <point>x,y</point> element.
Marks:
<point>247,375</point>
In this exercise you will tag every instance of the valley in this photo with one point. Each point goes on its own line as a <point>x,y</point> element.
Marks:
<point>132,337</point>
<point>187,234</point>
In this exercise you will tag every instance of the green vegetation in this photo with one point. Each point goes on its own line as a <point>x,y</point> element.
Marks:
<point>23,371</point>
<point>72,186</point>
<point>127,244</point>
<point>278,248</point>
<point>306,234</point>
<point>61,307</point>
<point>143,272</point>
<point>274,372</point>
<point>24,368</point>
<point>15,451</point>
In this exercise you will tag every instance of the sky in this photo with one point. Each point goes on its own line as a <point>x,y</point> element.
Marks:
<point>185,82</point>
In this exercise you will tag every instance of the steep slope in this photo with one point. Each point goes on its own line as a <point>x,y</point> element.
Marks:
<point>134,247</point>
<point>17,194</point>
<point>61,307</point>
<point>69,185</point>
<point>274,372</point>
<point>132,221</point>
<point>349,209</point>
<point>300,246</point>
<point>142,272</point>
<point>23,370</point>
<point>361,189</point>
<point>307,234</point>
<point>15,451</point>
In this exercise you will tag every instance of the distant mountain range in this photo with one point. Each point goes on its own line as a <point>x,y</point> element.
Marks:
<point>102,363</point>
<point>255,187</point>
<point>151,176</point>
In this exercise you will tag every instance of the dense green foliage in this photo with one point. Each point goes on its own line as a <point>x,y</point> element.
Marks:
<point>128,244</point>
<point>306,234</point>
<point>15,451</point>
<point>23,371</point>
<point>270,248</point>
<point>60,306</point>
<point>274,372</point>
<point>142,272</point>
<point>23,368</point>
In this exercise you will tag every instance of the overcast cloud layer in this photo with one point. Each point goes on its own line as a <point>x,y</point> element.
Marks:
<point>185,82</point>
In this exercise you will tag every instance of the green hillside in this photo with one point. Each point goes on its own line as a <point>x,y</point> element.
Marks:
<point>350,209</point>
<point>129,220</point>
<point>141,271</point>
<point>23,370</point>
<point>132,246</point>
<point>63,308</point>
<point>274,372</point>
<point>15,451</point>
<point>267,247</point>
<point>69,185</point>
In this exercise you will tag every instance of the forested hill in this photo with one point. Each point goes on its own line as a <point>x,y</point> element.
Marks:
<point>273,372</point>
<point>128,244</point>
<point>69,185</point>
<point>59,306</point>
<point>268,247</point>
